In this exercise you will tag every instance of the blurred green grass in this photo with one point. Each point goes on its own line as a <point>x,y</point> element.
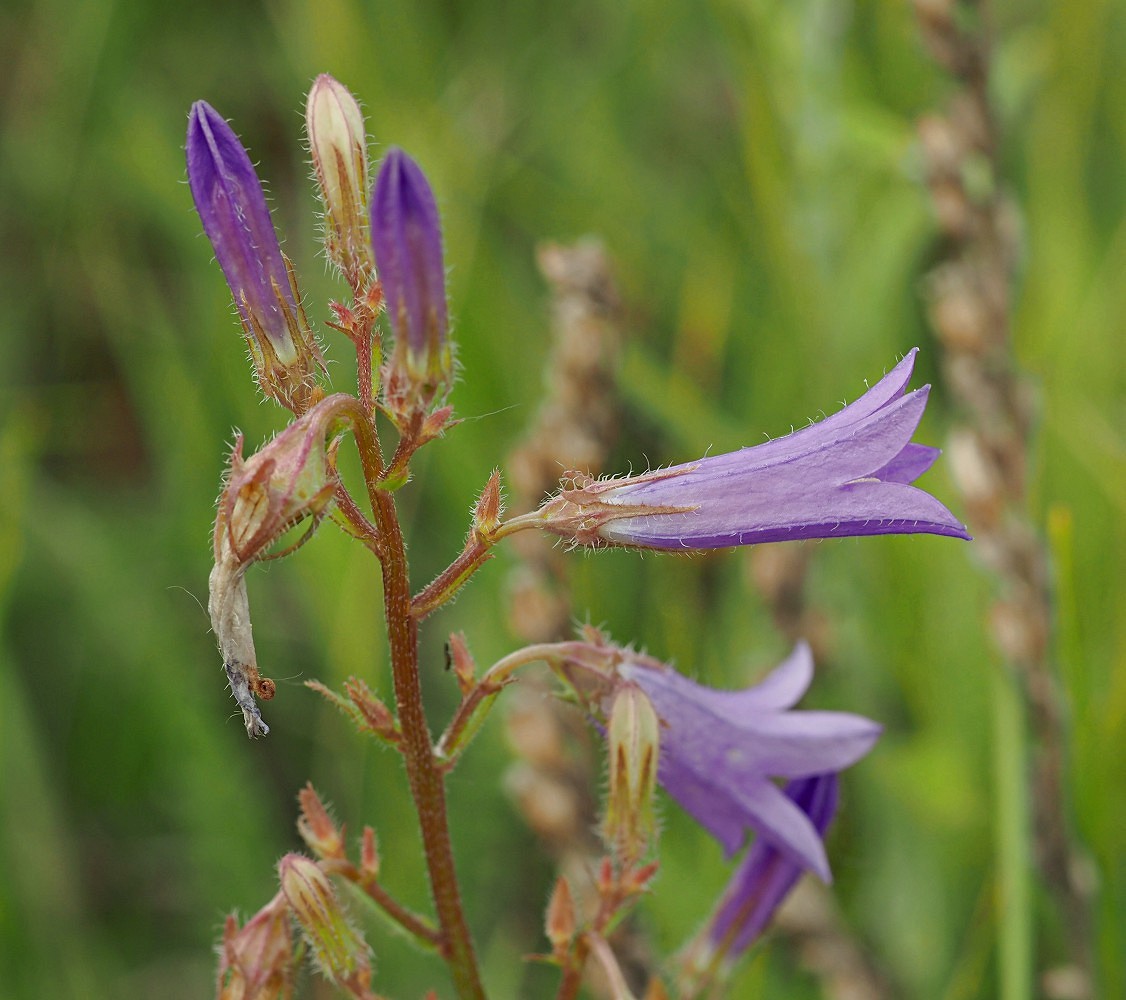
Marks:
<point>751,167</point>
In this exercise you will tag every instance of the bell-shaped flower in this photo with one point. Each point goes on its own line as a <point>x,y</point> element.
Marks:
<point>406,235</point>
<point>721,752</point>
<point>232,207</point>
<point>849,474</point>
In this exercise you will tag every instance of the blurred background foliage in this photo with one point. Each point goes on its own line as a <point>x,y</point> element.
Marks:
<point>753,170</point>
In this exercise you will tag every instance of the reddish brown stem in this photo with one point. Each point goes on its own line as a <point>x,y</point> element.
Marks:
<point>425,778</point>
<point>407,919</point>
<point>475,554</point>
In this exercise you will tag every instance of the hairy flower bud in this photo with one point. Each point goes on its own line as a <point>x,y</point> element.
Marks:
<point>338,143</point>
<point>560,920</point>
<point>338,950</point>
<point>633,735</point>
<point>406,235</point>
<point>316,827</point>
<point>232,208</point>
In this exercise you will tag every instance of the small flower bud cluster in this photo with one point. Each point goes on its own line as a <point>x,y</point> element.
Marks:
<point>396,229</point>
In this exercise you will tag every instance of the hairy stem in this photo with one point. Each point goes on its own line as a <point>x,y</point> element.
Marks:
<point>423,774</point>
<point>425,778</point>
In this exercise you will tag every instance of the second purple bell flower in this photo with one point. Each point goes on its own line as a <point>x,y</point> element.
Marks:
<point>722,750</point>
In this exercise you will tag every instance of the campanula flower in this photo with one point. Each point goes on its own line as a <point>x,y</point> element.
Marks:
<point>236,219</point>
<point>406,235</point>
<point>849,474</point>
<point>722,750</point>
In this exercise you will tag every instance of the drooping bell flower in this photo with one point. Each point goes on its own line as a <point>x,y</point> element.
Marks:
<point>232,207</point>
<point>849,474</point>
<point>721,752</point>
<point>406,236</point>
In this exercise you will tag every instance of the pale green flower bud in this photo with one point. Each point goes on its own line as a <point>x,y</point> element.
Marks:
<point>338,143</point>
<point>337,948</point>
<point>633,733</point>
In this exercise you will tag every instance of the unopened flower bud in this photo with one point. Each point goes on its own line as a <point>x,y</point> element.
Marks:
<point>634,739</point>
<point>338,142</point>
<point>316,827</point>
<point>560,921</point>
<point>232,208</point>
<point>406,235</point>
<point>369,854</point>
<point>373,713</point>
<point>256,960</point>
<point>489,506</point>
<point>337,949</point>
<point>462,662</point>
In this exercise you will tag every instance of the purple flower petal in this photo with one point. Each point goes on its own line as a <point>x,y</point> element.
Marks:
<point>765,876</point>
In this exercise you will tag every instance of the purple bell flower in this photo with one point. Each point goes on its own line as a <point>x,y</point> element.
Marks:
<point>849,474</point>
<point>720,752</point>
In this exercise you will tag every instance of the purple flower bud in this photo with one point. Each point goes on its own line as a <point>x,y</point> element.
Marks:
<point>232,207</point>
<point>765,876</point>
<point>406,235</point>
<point>850,474</point>
<point>721,750</point>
